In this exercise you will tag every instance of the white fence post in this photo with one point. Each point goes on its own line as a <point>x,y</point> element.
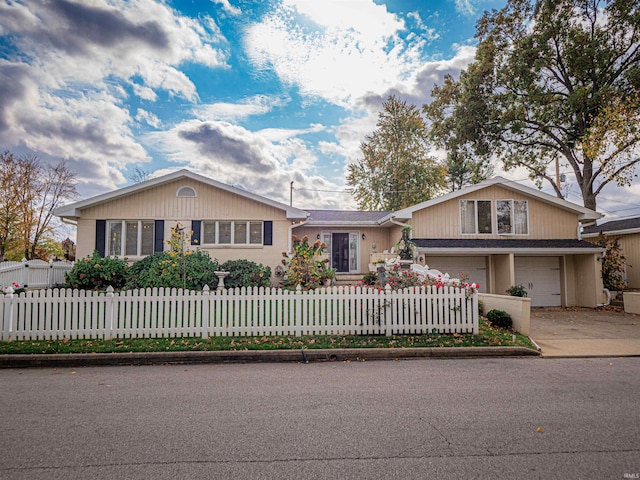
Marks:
<point>7,314</point>
<point>109,313</point>
<point>206,308</point>
<point>388,310</point>
<point>24,274</point>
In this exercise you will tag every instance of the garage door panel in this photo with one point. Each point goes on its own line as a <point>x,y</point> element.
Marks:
<point>540,276</point>
<point>474,267</point>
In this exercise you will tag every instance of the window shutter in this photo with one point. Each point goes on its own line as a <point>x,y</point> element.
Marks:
<point>268,232</point>
<point>158,236</point>
<point>195,232</point>
<point>101,237</point>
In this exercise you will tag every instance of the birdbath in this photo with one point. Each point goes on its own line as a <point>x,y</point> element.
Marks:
<point>221,276</point>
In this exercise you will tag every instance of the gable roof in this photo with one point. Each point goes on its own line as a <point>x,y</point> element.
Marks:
<point>583,213</point>
<point>614,227</point>
<point>73,210</point>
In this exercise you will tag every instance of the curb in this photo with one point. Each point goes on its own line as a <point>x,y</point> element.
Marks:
<point>254,356</point>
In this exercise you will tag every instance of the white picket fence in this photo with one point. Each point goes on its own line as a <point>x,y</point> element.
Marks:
<point>33,273</point>
<point>59,313</point>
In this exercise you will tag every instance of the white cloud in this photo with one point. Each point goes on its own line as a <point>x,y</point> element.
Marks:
<point>240,110</point>
<point>148,117</point>
<point>72,63</point>
<point>466,7</point>
<point>263,162</point>
<point>335,50</point>
<point>227,7</point>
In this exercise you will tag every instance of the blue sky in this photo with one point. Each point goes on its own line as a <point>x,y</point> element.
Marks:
<point>255,94</point>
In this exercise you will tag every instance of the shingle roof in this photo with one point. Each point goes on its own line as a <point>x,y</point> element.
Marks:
<point>614,226</point>
<point>351,216</point>
<point>497,243</point>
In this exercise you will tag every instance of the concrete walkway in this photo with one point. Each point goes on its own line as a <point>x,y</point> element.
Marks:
<point>585,332</point>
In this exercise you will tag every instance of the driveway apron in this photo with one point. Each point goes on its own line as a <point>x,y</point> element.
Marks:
<point>585,332</point>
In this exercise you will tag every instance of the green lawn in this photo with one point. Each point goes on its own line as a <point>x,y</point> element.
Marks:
<point>488,336</point>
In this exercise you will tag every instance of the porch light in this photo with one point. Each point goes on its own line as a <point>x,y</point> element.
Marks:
<point>364,236</point>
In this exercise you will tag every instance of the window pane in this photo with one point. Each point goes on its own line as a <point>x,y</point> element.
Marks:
<point>147,238</point>
<point>131,245</point>
<point>115,238</point>
<point>468,216</point>
<point>503,216</point>
<point>255,233</point>
<point>353,251</point>
<point>208,232</point>
<point>240,232</point>
<point>520,217</point>
<point>484,216</point>
<point>224,232</point>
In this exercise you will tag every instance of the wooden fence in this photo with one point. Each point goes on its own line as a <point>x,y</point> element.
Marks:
<point>59,314</point>
<point>33,273</point>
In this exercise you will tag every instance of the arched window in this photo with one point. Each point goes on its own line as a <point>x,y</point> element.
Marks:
<point>186,192</point>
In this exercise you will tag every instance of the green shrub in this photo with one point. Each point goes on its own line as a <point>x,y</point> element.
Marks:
<point>97,273</point>
<point>370,278</point>
<point>517,291</point>
<point>500,318</point>
<point>244,273</point>
<point>192,271</point>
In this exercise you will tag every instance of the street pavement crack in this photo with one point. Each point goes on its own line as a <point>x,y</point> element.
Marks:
<point>308,460</point>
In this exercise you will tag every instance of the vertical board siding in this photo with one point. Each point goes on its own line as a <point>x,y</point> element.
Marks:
<point>59,314</point>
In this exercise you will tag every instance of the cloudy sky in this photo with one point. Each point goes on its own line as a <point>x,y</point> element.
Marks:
<point>255,94</point>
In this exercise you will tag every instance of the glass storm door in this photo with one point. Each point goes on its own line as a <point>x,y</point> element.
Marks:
<point>343,250</point>
<point>340,252</point>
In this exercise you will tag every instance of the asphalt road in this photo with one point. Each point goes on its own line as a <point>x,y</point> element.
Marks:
<point>415,419</point>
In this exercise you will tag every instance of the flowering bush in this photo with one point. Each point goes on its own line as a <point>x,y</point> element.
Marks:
<point>398,279</point>
<point>97,273</point>
<point>17,289</point>
<point>305,267</point>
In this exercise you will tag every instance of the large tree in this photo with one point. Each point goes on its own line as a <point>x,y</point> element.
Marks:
<point>553,80</point>
<point>396,169</point>
<point>31,190</point>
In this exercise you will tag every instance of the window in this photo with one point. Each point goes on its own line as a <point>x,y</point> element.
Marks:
<point>186,192</point>
<point>512,217</point>
<point>227,232</point>
<point>130,238</point>
<point>475,216</point>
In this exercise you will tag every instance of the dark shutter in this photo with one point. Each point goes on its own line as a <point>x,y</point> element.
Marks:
<point>158,236</point>
<point>268,232</point>
<point>195,232</point>
<point>101,237</point>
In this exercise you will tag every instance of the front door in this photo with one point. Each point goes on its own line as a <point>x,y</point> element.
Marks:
<point>340,251</point>
<point>343,249</point>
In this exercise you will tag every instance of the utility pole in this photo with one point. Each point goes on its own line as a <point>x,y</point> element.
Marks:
<point>291,194</point>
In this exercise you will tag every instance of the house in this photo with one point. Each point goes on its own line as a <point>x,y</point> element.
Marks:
<point>627,231</point>
<point>498,233</point>
<point>228,222</point>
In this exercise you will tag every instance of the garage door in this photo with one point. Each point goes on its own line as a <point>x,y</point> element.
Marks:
<point>475,267</point>
<point>540,276</point>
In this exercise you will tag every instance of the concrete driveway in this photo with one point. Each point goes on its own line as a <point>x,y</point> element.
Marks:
<point>585,332</point>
